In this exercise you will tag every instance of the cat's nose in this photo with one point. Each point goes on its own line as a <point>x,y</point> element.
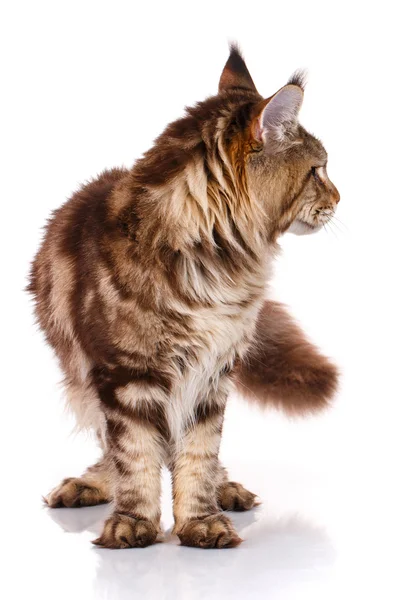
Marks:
<point>335,195</point>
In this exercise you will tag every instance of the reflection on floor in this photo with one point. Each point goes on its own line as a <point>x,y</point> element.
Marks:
<point>272,548</point>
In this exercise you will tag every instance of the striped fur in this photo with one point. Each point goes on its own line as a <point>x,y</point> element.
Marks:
<point>148,286</point>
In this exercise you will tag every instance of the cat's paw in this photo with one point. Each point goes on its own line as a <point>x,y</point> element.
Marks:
<point>125,531</point>
<point>74,493</point>
<point>214,531</point>
<point>233,496</point>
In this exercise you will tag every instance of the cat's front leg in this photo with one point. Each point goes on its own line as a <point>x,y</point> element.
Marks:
<point>196,476</point>
<point>136,441</point>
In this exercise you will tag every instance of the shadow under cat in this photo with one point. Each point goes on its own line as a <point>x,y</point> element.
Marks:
<point>273,546</point>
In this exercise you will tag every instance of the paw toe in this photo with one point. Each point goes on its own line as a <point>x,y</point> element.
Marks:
<point>124,531</point>
<point>215,531</point>
<point>74,493</point>
<point>233,496</point>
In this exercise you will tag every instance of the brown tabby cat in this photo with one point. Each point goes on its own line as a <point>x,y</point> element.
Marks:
<point>150,286</point>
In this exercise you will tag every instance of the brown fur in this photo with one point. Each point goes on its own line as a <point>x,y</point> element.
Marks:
<point>282,368</point>
<point>213,531</point>
<point>148,286</point>
<point>126,531</point>
<point>233,496</point>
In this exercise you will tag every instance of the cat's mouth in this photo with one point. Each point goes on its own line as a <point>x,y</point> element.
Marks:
<point>300,227</point>
<point>309,226</point>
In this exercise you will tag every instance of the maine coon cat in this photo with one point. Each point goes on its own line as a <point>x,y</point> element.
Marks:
<point>150,286</point>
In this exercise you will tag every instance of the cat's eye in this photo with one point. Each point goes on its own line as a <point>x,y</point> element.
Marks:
<point>314,172</point>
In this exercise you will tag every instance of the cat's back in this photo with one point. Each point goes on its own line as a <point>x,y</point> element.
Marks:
<point>70,245</point>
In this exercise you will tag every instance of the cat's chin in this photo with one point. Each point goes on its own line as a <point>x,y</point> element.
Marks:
<point>299,227</point>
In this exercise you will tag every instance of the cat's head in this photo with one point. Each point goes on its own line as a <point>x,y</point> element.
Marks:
<point>285,166</point>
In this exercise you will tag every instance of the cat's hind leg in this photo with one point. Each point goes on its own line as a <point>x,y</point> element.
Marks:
<point>92,488</point>
<point>95,485</point>
<point>233,496</point>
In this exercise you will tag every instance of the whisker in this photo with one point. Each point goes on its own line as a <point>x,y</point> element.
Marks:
<point>339,224</point>
<point>331,219</point>
<point>328,231</point>
<point>332,222</point>
<point>332,230</point>
<point>334,216</point>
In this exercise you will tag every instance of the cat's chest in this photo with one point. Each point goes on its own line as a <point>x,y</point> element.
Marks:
<point>225,326</point>
<point>217,339</point>
<point>221,331</point>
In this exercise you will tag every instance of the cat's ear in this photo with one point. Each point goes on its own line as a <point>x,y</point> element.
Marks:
<point>278,116</point>
<point>235,73</point>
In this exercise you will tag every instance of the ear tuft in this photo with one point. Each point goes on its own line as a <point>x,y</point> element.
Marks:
<point>235,73</point>
<point>299,78</point>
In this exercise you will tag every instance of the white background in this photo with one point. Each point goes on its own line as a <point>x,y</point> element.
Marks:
<point>88,85</point>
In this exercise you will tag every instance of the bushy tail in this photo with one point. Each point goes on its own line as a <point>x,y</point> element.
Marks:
<point>282,368</point>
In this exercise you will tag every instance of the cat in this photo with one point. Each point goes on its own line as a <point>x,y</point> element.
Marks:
<point>150,285</point>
